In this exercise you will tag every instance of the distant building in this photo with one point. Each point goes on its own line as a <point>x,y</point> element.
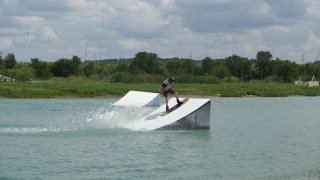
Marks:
<point>311,83</point>
<point>299,82</point>
<point>4,78</point>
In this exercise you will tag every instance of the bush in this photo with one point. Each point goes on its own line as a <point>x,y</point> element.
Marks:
<point>305,78</point>
<point>94,77</point>
<point>190,79</point>
<point>74,78</point>
<point>123,78</point>
<point>22,75</point>
<point>272,79</point>
<point>185,78</point>
<point>147,78</point>
<point>230,79</point>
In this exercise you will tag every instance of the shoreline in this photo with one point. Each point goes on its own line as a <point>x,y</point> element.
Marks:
<point>181,96</point>
<point>115,90</point>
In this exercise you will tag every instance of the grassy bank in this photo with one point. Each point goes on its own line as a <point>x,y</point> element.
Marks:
<point>99,89</point>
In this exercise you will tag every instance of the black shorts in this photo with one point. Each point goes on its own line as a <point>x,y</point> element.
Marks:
<point>172,91</point>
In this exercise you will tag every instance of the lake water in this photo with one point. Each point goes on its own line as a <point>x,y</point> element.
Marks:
<point>250,138</point>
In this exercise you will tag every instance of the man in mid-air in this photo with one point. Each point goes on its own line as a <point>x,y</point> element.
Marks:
<point>165,88</point>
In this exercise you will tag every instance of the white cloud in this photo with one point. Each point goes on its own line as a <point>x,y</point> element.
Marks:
<point>53,29</point>
<point>27,20</point>
<point>133,44</point>
<point>48,33</point>
<point>24,39</point>
<point>5,43</point>
<point>140,6</point>
<point>313,41</point>
<point>9,31</point>
<point>78,4</point>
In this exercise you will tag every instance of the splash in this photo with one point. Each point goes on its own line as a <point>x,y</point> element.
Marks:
<point>106,117</point>
<point>117,117</point>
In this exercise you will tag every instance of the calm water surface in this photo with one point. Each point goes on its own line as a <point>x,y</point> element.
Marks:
<point>250,138</point>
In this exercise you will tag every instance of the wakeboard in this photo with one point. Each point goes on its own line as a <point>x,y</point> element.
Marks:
<point>175,107</point>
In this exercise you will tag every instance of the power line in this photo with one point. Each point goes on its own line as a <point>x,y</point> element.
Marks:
<point>226,30</point>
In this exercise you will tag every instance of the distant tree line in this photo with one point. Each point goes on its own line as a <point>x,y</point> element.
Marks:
<point>148,67</point>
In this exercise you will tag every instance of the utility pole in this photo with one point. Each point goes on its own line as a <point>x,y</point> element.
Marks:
<point>302,58</point>
<point>86,51</point>
<point>100,51</point>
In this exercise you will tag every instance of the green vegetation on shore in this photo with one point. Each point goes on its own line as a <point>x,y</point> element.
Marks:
<point>233,76</point>
<point>102,89</point>
<point>147,67</point>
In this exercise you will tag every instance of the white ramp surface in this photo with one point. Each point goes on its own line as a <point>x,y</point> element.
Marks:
<point>139,99</point>
<point>155,121</point>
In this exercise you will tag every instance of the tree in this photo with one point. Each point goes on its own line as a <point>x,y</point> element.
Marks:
<point>75,62</point>
<point>35,64</point>
<point>59,68</point>
<point>263,65</point>
<point>174,67</point>
<point>45,73</point>
<point>145,63</point>
<point>197,71</point>
<point>239,67</point>
<point>89,69</point>
<point>66,67</point>
<point>122,67</point>
<point>221,71</point>
<point>285,71</point>
<point>1,63</point>
<point>42,69</point>
<point>207,64</point>
<point>316,71</point>
<point>10,61</point>
<point>188,66</point>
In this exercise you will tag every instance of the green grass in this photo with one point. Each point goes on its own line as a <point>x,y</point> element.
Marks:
<point>102,89</point>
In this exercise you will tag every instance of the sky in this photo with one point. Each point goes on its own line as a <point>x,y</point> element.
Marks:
<point>53,29</point>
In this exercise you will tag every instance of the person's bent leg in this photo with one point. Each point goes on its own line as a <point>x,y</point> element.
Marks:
<point>175,93</point>
<point>167,104</point>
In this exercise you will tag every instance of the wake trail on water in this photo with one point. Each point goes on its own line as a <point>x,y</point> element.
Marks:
<point>25,130</point>
<point>106,117</point>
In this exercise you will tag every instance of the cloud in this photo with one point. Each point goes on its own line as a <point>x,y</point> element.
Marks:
<point>133,44</point>
<point>9,31</point>
<point>5,43</point>
<point>48,6</point>
<point>171,28</point>
<point>48,33</point>
<point>289,8</point>
<point>26,20</point>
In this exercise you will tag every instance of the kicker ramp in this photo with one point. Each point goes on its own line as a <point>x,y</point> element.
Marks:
<point>194,114</point>
<point>139,99</point>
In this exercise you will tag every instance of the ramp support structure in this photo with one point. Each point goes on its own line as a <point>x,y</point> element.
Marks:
<point>199,119</point>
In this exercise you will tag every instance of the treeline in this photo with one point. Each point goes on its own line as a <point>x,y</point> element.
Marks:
<point>147,67</point>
